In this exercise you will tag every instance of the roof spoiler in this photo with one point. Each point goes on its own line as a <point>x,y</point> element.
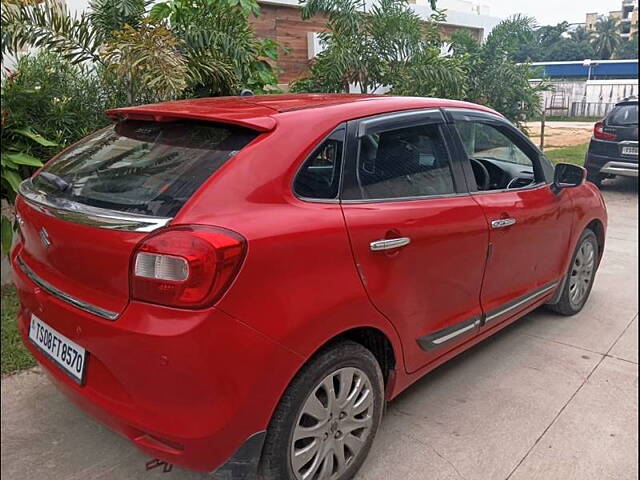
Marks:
<point>155,114</point>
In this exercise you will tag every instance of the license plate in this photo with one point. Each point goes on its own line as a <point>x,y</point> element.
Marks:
<point>66,354</point>
<point>630,151</point>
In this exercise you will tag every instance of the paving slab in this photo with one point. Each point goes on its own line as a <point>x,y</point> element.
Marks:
<point>627,347</point>
<point>612,305</point>
<point>596,437</point>
<point>45,437</point>
<point>482,411</point>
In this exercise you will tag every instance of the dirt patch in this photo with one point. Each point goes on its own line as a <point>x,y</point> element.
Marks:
<point>557,135</point>
<point>560,137</point>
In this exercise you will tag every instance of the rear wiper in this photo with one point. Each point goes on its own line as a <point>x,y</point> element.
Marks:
<point>54,180</point>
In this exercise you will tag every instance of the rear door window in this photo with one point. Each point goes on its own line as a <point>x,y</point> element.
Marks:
<point>142,167</point>
<point>402,163</point>
<point>319,177</point>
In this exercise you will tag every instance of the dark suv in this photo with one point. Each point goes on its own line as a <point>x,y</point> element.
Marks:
<point>613,149</point>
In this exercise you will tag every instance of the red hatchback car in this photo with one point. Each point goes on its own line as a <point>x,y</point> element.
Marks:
<point>239,284</point>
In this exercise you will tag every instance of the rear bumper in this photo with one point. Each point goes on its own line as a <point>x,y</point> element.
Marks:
<point>188,387</point>
<point>620,168</point>
<point>611,165</point>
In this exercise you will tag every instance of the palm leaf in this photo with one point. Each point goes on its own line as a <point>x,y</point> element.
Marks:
<point>49,25</point>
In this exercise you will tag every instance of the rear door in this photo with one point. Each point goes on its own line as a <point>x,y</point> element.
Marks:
<point>82,215</point>
<point>419,239</point>
<point>529,225</point>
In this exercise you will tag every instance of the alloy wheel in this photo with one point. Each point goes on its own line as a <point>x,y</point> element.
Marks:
<point>582,273</point>
<point>333,425</point>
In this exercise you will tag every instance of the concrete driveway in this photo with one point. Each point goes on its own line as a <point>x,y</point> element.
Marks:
<point>547,398</point>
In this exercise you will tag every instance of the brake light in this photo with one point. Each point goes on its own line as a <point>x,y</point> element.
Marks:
<point>598,132</point>
<point>186,266</point>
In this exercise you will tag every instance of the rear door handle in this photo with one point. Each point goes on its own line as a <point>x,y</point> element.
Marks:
<point>389,244</point>
<point>503,222</point>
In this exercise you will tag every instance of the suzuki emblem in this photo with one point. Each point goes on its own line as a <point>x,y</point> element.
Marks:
<point>44,238</point>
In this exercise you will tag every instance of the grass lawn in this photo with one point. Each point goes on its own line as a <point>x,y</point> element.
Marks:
<point>574,154</point>
<point>14,356</point>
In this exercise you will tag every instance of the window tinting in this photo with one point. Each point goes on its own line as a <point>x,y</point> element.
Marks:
<point>407,162</point>
<point>624,115</point>
<point>319,177</point>
<point>142,167</point>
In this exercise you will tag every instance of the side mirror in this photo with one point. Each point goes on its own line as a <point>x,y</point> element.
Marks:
<point>567,175</point>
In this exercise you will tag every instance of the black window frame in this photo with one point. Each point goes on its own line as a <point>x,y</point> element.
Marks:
<point>356,129</point>
<point>542,166</point>
<point>339,133</point>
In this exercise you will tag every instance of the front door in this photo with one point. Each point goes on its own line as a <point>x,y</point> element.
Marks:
<point>419,239</point>
<point>529,224</point>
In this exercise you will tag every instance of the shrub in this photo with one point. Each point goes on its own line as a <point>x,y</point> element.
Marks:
<point>61,101</point>
<point>47,104</point>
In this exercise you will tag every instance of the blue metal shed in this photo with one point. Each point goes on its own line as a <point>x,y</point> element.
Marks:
<point>600,69</point>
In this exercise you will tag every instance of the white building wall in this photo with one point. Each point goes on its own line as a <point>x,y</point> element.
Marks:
<point>591,98</point>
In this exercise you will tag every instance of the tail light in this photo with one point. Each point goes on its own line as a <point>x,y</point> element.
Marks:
<point>186,266</point>
<point>598,132</point>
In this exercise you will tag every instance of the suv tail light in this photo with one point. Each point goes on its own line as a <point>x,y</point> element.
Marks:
<point>186,266</point>
<point>598,132</point>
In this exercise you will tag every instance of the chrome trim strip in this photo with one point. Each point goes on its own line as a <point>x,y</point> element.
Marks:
<point>389,244</point>
<point>513,190</point>
<point>523,300</point>
<point>620,168</point>
<point>405,199</point>
<point>87,307</point>
<point>437,339</point>
<point>440,340</point>
<point>88,215</point>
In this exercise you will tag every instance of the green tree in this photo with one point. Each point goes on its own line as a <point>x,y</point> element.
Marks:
<point>628,49</point>
<point>203,46</point>
<point>581,34</point>
<point>223,52</point>
<point>567,49</point>
<point>550,34</point>
<point>607,38</point>
<point>108,16</point>
<point>384,45</point>
<point>493,78</point>
<point>554,43</point>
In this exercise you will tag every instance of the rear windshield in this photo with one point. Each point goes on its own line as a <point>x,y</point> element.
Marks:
<point>624,115</point>
<point>142,167</point>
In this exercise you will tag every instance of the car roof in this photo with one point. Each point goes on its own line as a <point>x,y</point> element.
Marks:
<point>260,112</point>
<point>628,100</point>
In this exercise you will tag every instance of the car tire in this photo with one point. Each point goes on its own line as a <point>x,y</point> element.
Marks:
<point>570,303</point>
<point>595,178</point>
<point>286,459</point>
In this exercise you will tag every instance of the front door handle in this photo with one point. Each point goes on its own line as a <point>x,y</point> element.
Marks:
<point>503,222</point>
<point>389,244</point>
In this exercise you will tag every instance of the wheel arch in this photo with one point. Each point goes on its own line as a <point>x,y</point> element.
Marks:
<point>597,227</point>
<point>385,349</point>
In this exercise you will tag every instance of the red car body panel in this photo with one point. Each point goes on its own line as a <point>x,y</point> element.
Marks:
<point>447,260</point>
<point>190,386</point>
<point>97,271</point>
<point>542,234</point>
<point>159,377</point>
